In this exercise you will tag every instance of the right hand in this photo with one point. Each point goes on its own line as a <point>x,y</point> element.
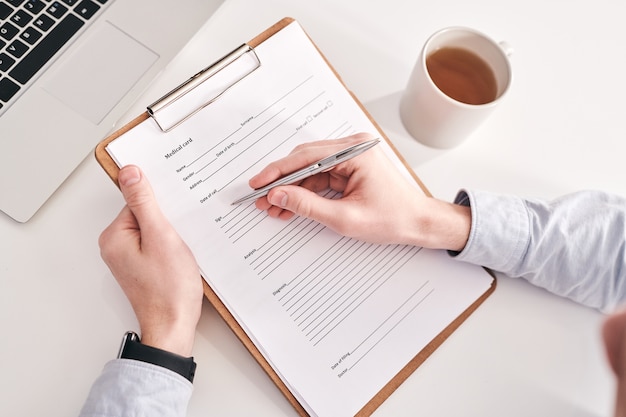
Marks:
<point>378,204</point>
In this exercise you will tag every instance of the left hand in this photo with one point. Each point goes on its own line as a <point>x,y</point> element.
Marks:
<point>154,267</point>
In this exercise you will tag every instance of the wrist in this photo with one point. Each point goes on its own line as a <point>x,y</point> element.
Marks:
<point>442,225</point>
<point>175,339</point>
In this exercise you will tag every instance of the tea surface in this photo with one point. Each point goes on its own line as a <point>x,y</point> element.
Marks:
<point>462,75</point>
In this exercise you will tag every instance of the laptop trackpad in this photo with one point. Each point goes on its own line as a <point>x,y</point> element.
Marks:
<point>94,78</point>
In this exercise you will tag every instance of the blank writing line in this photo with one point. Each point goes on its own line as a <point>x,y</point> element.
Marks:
<point>317,229</point>
<point>240,127</point>
<point>319,262</point>
<point>289,236</point>
<point>284,95</point>
<point>329,278</point>
<point>391,329</point>
<point>349,298</point>
<point>263,136</point>
<point>251,145</point>
<point>393,314</point>
<point>382,280</point>
<point>279,144</point>
<point>216,145</point>
<point>253,131</point>
<point>350,281</point>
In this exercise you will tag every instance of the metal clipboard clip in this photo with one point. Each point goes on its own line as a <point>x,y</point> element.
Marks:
<point>203,88</point>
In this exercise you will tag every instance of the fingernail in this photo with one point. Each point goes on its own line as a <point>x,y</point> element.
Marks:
<point>279,198</point>
<point>129,175</point>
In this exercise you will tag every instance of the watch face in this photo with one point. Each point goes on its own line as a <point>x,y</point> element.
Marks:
<point>128,337</point>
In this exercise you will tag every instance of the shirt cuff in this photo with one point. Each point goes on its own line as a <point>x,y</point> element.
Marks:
<point>130,387</point>
<point>499,233</point>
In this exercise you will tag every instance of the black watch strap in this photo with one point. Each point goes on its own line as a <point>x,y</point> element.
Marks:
<point>133,349</point>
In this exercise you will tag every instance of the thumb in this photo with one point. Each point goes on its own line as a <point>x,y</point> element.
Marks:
<point>306,203</point>
<point>139,196</point>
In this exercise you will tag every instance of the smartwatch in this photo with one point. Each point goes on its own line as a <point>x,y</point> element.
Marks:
<point>132,348</point>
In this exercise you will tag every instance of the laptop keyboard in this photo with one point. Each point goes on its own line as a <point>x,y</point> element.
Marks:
<point>31,33</point>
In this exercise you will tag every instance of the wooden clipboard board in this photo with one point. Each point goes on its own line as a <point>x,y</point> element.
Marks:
<point>111,168</point>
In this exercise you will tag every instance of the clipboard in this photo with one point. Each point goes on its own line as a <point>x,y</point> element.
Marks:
<point>176,97</point>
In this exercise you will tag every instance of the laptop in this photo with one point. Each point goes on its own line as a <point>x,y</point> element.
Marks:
<point>69,69</point>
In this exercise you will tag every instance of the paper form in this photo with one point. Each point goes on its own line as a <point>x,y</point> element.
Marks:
<point>337,318</point>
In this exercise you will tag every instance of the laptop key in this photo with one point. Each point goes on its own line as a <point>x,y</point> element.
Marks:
<point>21,18</point>
<point>86,9</point>
<point>56,10</point>
<point>8,31</point>
<point>34,6</point>
<point>5,10</point>
<point>5,62</point>
<point>17,48</point>
<point>30,35</point>
<point>7,89</point>
<point>49,45</point>
<point>44,22</point>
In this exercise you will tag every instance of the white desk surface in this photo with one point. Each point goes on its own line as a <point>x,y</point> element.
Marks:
<point>523,353</point>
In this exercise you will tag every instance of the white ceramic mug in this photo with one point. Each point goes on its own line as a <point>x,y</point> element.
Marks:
<point>430,115</point>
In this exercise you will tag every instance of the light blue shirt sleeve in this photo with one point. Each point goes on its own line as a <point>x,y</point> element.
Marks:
<point>132,388</point>
<point>574,246</point>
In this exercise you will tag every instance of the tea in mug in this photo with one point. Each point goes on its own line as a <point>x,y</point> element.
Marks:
<point>462,75</point>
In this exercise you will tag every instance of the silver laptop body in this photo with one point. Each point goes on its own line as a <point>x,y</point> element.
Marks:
<point>49,126</point>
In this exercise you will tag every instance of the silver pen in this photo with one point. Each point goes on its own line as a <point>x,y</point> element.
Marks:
<point>319,166</point>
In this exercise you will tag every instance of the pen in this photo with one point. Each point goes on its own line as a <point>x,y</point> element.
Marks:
<point>317,167</point>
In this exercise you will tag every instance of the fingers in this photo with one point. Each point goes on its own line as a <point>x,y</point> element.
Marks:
<point>139,198</point>
<point>139,222</point>
<point>303,202</point>
<point>122,235</point>
<point>303,155</point>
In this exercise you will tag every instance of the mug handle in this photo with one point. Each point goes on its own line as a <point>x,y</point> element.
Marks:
<point>506,47</point>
